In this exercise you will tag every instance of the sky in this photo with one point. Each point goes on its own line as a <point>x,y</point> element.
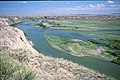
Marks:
<point>60,7</point>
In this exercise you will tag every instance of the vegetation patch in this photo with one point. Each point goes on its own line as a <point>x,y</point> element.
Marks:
<point>86,24</point>
<point>112,47</point>
<point>76,47</point>
<point>76,26</point>
<point>16,24</point>
<point>10,69</point>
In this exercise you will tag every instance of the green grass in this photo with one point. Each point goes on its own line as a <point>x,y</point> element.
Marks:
<point>13,70</point>
<point>38,25</point>
<point>67,45</point>
<point>89,48</point>
<point>114,35</point>
<point>79,26</point>
<point>112,46</point>
<point>89,25</point>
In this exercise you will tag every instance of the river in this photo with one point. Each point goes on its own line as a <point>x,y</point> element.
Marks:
<point>42,46</point>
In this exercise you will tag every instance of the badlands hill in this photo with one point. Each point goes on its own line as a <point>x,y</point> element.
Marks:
<point>14,45</point>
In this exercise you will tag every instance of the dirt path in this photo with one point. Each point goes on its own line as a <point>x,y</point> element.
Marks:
<point>72,49</point>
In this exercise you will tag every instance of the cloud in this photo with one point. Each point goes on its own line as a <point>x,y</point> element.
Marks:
<point>23,2</point>
<point>95,5</point>
<point>89,7</point>
<point>44,4</point>
<point>92,6</point>
<point>68,8</point>
<point>109,1</point>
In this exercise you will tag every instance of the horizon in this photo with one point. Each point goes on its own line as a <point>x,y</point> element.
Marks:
<point>59,7</point>
<point>53,14</point>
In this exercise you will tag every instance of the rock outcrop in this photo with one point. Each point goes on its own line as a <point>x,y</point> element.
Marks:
<point>14,39</point>
<point>3,22</point>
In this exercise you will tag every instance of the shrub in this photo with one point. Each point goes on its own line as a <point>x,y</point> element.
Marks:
<point>13,70</point>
